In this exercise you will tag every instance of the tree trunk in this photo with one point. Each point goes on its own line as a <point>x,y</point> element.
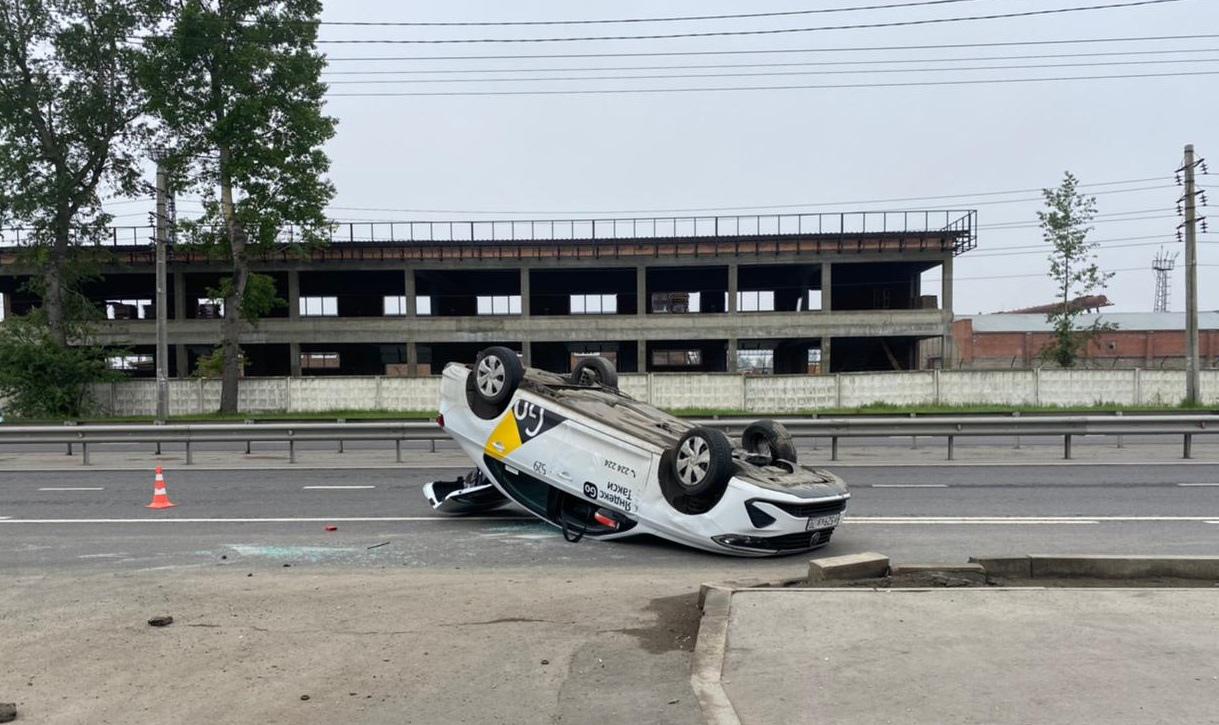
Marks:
<point>231,327</point>
<point>53,292</point>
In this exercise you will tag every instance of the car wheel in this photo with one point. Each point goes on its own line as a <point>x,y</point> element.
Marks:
<point>702,461</point>
<point>769,438</point>
<point>497,373</point>
<point>595,371</point>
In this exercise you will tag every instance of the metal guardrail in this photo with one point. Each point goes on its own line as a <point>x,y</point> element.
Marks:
<point>950,428</point>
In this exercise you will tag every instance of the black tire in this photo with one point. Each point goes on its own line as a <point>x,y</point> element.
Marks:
<point>496,375</point>
<point>595,371</point>
<point>769,438</point>
<point>702,461</point>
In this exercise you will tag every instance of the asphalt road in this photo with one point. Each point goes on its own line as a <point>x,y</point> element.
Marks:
<point>96,520</point>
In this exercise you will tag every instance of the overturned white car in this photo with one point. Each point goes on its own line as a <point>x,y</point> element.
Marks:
<point>580,455</point>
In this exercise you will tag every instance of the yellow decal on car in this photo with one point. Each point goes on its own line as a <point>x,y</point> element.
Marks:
<point>505,439</point>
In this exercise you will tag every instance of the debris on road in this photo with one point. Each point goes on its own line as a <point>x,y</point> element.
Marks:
<point>332,527</point>
<point>8,711</point>
<point>545,662</point>
<point>304,698</point>
<point>378,546</point>
<point>161,620</point>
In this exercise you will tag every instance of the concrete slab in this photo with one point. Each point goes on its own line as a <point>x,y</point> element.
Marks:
<point>1014,567</point>
<point>994,656</point>
<point>1125,567</point>
<point>867,565</point>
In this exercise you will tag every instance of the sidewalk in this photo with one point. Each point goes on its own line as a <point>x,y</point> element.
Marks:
<point>865,452</point>
<point>986,655</point>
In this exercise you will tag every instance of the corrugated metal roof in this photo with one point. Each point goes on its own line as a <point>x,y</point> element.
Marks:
<point>1142,321</point>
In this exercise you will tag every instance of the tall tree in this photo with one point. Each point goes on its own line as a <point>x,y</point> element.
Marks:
<point>69,125</point>
<point>1065,224</point>
<point>235,85</point>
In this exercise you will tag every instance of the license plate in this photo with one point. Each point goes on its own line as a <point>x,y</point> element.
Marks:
<point>828,521</point>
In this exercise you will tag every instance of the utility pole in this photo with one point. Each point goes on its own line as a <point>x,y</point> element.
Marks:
<point>162,240</point>
<point>1192,394</point>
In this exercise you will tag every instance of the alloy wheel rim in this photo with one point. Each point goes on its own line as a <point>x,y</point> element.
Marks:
<point>491,375</point>
<point>693,461</point>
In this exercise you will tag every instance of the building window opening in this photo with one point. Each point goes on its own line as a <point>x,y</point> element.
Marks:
<point>320,361</point>
<point>594,304</point>
<point>815,300</point>
<point>209,308</point>
<point>394,306</point>
<point>130,363</point>
<point>676,303</point>
<point>754,300</point>
<point>319,306</point>
<point>499,305</point>
<point>755,362</point>
<point>677,358</point>
<point>138,309</point>
<point>423,305</point>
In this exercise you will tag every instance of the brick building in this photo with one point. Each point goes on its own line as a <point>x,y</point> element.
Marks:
<point>1150,340</point>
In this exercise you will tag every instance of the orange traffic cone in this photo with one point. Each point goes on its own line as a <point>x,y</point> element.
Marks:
<point>160,499</point>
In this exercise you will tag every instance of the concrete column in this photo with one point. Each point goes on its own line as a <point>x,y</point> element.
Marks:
<point>826,274</point>
<point>294,360</point>
<point>641,355</point>
<point>641,295</point>
<point>412,358</point>
<point>182,361</point>
<point>179,297</point>
<point>825,352</point>
<point>526,350</point>
<point>294,304</point>
<point>950,352</point>
<point>525,292</point>
<point>733,277</point>
<point>732,348</point>
<point>408,287</point>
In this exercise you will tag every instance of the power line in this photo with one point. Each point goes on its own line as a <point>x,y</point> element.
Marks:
<point>718,89</point>
<point>771,74</point>
<point>739,33</point>
<point>775,51</point>
<point>1031,225</point>
<point>716,66</point>
<point>680,18</point>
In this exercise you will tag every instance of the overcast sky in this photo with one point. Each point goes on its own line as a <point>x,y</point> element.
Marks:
<point>829,149</point>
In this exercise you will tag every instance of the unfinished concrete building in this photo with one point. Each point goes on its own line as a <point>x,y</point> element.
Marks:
<point>786,294</point>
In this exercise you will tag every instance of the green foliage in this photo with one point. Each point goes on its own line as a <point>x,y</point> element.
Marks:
<point>260,296</point>
<point>211,366</point>
<point>42,379</point>
<point>236,86</point>
<point>1065,224</point>
<point>70,111</point>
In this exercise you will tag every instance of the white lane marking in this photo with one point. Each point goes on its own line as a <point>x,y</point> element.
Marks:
<point>334,488</point>
<point>909,485</point>
<point>309,519</point>
<point>72,488</point>
<point>1189,485</point>
<point>5,518</point>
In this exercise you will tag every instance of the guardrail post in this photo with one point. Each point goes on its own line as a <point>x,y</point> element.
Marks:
<point>1016,414</point>
<point>1189,446</point>
<point>84,453</point>
<point>398,450</point>
<point>249,444</point>
<point>1120,440</point>
<point>833,448</point>
<point>189,458</point>
<point>952,441</point>
<point>433,442</point>
<point>291,448</point>
<point>341,420</point>
<point>1066,447</point>
<point>913,439</point>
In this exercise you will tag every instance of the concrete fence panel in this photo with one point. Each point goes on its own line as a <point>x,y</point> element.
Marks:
<point>906,388</point>
<point>1086,387</point>
<point>403,394</point>
<point>315,395</point>
<point>688,391</point>
<point>635,385</point>
<point>1161,387</point>
<point>1210,386</point>
<point>790,393</point>
<point>988,387</point>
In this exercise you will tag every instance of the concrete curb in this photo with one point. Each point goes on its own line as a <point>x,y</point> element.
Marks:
<point>1066,566</point>
<point>707,662</point>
